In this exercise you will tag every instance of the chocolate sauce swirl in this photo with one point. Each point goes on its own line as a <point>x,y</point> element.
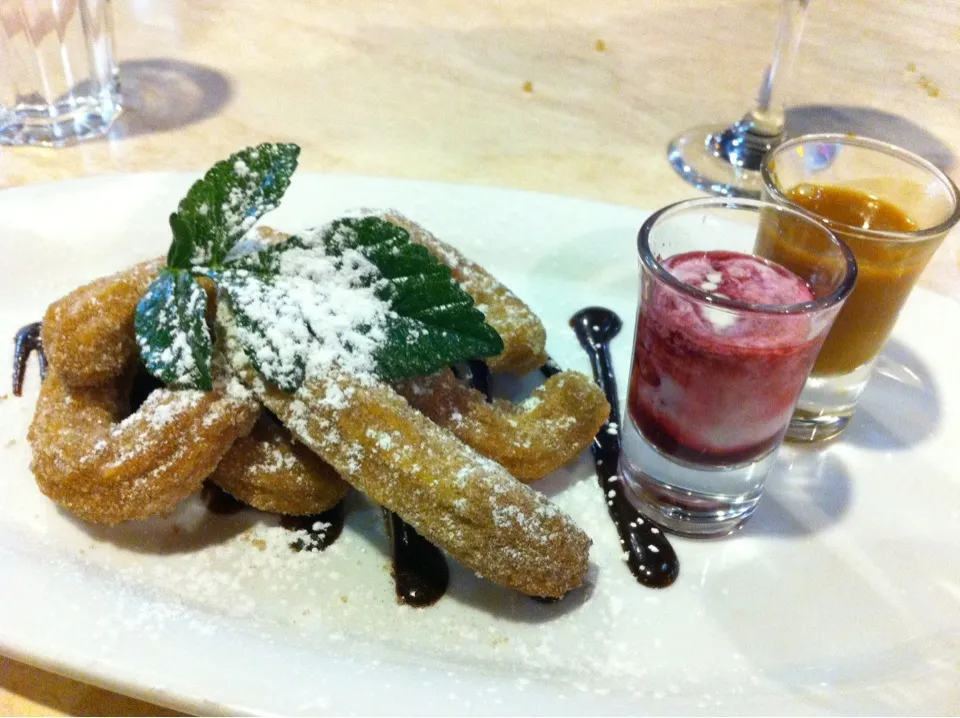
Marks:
<point>420,571</point>
<point>650,555</point>
<point>322,529</point>
<point>26,341</point>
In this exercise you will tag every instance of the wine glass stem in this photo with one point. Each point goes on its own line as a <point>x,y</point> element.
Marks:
<point>767,116</point>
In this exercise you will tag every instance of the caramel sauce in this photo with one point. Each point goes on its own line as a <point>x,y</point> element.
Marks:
<point>887,269</point>
<point>852,207</point>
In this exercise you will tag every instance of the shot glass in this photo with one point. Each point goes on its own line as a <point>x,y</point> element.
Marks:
<point>893,209</point>
<point>724,341</point>
<point>58,76</point>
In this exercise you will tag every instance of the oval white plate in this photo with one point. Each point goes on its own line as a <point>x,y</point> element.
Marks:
<point>841,595</point>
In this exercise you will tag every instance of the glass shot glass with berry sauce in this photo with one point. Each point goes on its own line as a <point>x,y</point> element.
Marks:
<point>725,339</point>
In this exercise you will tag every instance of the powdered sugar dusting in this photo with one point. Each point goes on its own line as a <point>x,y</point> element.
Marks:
<point>161,409</point>
<point>179,356</point>
<point>319,313</point>
<point>256,176</point>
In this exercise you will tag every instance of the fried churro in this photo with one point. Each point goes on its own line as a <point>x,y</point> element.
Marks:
<point>90,338</point>
<point>268,470</point>
<point>445,462</point>
<point>106,468</point>
<point>90,453</point>
<point>530,438</point>
<point>464,503</point>
<point>88,334</point>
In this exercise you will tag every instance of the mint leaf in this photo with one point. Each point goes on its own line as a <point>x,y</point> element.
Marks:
<point>358,295</point>
<point>265,262</point>
<point>171,331</point>
<point>272,329</point>
<point>223,206</point>
<point>434,322</point>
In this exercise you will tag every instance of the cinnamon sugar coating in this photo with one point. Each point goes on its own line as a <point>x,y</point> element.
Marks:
<point>268,470</point>
<point>88,334</point>
<point>530,438</point>
<point>107,469</point>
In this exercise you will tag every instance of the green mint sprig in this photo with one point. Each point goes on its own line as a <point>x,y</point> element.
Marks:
<point>172,332</point>
<point>222,207</point>
<point>432,321</point>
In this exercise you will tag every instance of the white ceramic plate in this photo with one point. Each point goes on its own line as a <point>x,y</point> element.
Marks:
<point>841,595</point>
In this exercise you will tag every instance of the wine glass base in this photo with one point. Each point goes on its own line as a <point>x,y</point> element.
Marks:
<point>696,156</point>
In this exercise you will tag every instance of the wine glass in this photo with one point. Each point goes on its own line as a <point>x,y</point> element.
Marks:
<point>726,160</point>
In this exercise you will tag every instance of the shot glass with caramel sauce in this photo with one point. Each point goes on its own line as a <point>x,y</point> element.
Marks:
<point>893,209</point>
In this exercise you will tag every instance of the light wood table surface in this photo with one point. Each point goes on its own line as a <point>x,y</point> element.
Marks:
<point>437,89</point>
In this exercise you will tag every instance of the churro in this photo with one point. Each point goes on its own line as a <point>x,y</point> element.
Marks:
<point>530,438</point>
<point>464,503</point>
<point>106,468</point>
<point>88,334</point>
<point>268,470</point>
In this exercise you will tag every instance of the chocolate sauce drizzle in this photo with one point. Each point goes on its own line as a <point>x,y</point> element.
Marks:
<point>420,571</point>
<point>26,341</point>
<point>650,556</point>
<point>323,528</point>
<point>550,368</point>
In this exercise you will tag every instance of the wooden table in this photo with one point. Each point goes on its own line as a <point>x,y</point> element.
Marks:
<point>576,98</point>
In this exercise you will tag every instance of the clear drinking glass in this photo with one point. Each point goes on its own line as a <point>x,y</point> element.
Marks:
<point>892,208</point>
<point>725,159</point>
<point>724,342</point>
<point>58,75</point>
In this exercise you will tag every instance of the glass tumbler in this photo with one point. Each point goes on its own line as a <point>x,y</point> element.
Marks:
<point>58,75</point>
<point>893,209</point>
<point>724,341</point>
